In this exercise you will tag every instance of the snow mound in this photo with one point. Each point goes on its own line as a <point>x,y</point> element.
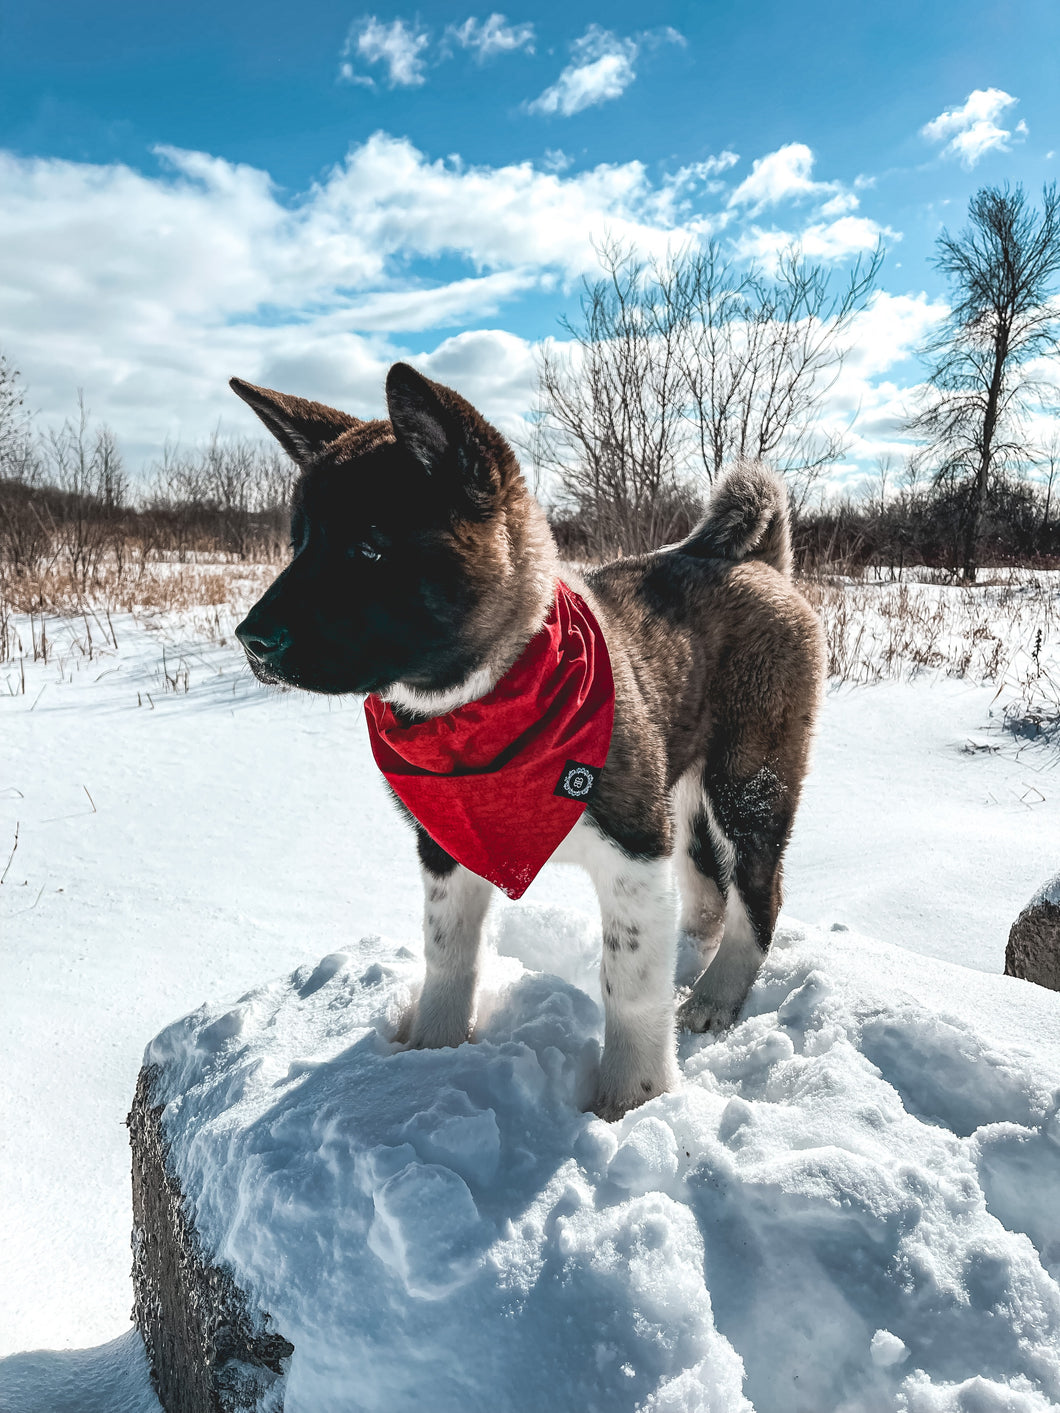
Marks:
<point>850,1203</point>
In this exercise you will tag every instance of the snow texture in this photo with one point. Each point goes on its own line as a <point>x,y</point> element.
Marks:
<point>850,1203</point>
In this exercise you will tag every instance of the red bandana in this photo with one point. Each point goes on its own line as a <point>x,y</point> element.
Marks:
<point>500,783</point>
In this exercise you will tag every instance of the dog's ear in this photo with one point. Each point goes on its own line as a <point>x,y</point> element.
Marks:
<point>449,439</point>
<point>301,427</point>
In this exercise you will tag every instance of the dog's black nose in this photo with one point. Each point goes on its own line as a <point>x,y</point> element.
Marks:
<point>267,644</point>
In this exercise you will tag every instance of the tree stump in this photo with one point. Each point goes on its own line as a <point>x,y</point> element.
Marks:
<point>1033,950</point>
<point>210,1351</point>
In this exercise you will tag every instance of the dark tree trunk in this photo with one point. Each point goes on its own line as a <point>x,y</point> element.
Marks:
<point>977,502</point>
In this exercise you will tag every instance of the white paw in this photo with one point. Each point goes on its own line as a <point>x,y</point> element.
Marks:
<point>426,1036</point>
<point>631,1081</point>
<point>434,1026</point>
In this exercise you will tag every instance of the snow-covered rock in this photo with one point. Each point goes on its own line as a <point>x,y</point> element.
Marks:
<point>1033,950</point>
<point>850,1202</point>
<point>209,1349</point>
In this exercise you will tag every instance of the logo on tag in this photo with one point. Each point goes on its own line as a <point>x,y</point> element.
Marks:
<point>577,781</point>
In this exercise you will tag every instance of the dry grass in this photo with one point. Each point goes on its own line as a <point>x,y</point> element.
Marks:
<point>1004,631</point>
<point>183,589</point>
<point>191,605</point>
<point>157,585</point>
<point>880,631</point>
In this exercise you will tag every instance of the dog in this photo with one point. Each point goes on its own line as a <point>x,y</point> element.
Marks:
<point>423,569</point>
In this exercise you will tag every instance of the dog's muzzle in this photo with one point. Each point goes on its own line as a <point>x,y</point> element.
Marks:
<point>263,644</point>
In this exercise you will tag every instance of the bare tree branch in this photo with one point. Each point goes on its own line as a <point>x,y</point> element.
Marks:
<point>676,368</point>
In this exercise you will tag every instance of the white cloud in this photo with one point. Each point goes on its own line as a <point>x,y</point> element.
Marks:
<point>493,35</point>
<point>419,307</point>
<point>709,167</point>
<point>677,190</point>
<point>398,46</point>
<point>784,175</point>
<point>846,236</point>
<point>666,34</point>
<point>866,405</point>
<point>890,330</point>
<point>974,129</point>
<point>151,290</point>
<point>388,199</point>
<point>827,241</point>
<point>601,69</point>
<point>841,204</point>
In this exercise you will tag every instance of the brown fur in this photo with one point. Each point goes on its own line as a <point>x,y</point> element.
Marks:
<point>724,686</point>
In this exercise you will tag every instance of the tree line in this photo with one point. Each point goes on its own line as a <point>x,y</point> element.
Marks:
<point>67,504</point>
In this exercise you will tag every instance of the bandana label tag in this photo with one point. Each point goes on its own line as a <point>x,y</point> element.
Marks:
<point>578,781</point>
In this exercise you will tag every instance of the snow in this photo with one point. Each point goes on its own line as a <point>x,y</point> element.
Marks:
<point>112,1378</point>
<point>813,1210</point>
<point>887,1349</point>
<point>870,1160</point>
<point>909,833</point>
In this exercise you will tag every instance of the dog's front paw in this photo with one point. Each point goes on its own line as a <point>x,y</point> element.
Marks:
<point>611,1107</point>
<point>403,1030</point>
<point>434,1028</point>
<point>618,1092</point>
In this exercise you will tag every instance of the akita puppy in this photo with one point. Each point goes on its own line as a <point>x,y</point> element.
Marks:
<point>657,708</point>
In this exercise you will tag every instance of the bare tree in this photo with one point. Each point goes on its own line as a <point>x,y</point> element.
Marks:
<point>678,367</point>
<point>85,464</point>
<point>25,535</point>
<point>249,488</point>
<point>760,353</point>
<point>229,474</point>
<point>1003,271</point>
<point>111,482</point>
<point>610,418</point>
<point>176,503</point>
<point>13,417</point>
<point>277,474</point>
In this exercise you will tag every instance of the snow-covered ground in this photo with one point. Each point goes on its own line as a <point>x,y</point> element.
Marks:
<point>857,1184</point>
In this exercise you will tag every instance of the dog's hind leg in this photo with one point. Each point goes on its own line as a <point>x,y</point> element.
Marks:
<point>749,820</point>
<point>455,905</point>
<point>703,865</point>
<point>636,972</point>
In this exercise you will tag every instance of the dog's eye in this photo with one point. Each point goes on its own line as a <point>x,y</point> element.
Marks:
<point>363,550</point>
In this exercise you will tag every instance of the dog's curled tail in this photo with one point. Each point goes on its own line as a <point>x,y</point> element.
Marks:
<point>747,518</point>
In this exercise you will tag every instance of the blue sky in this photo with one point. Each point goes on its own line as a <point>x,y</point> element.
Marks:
<point>301,194</point>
